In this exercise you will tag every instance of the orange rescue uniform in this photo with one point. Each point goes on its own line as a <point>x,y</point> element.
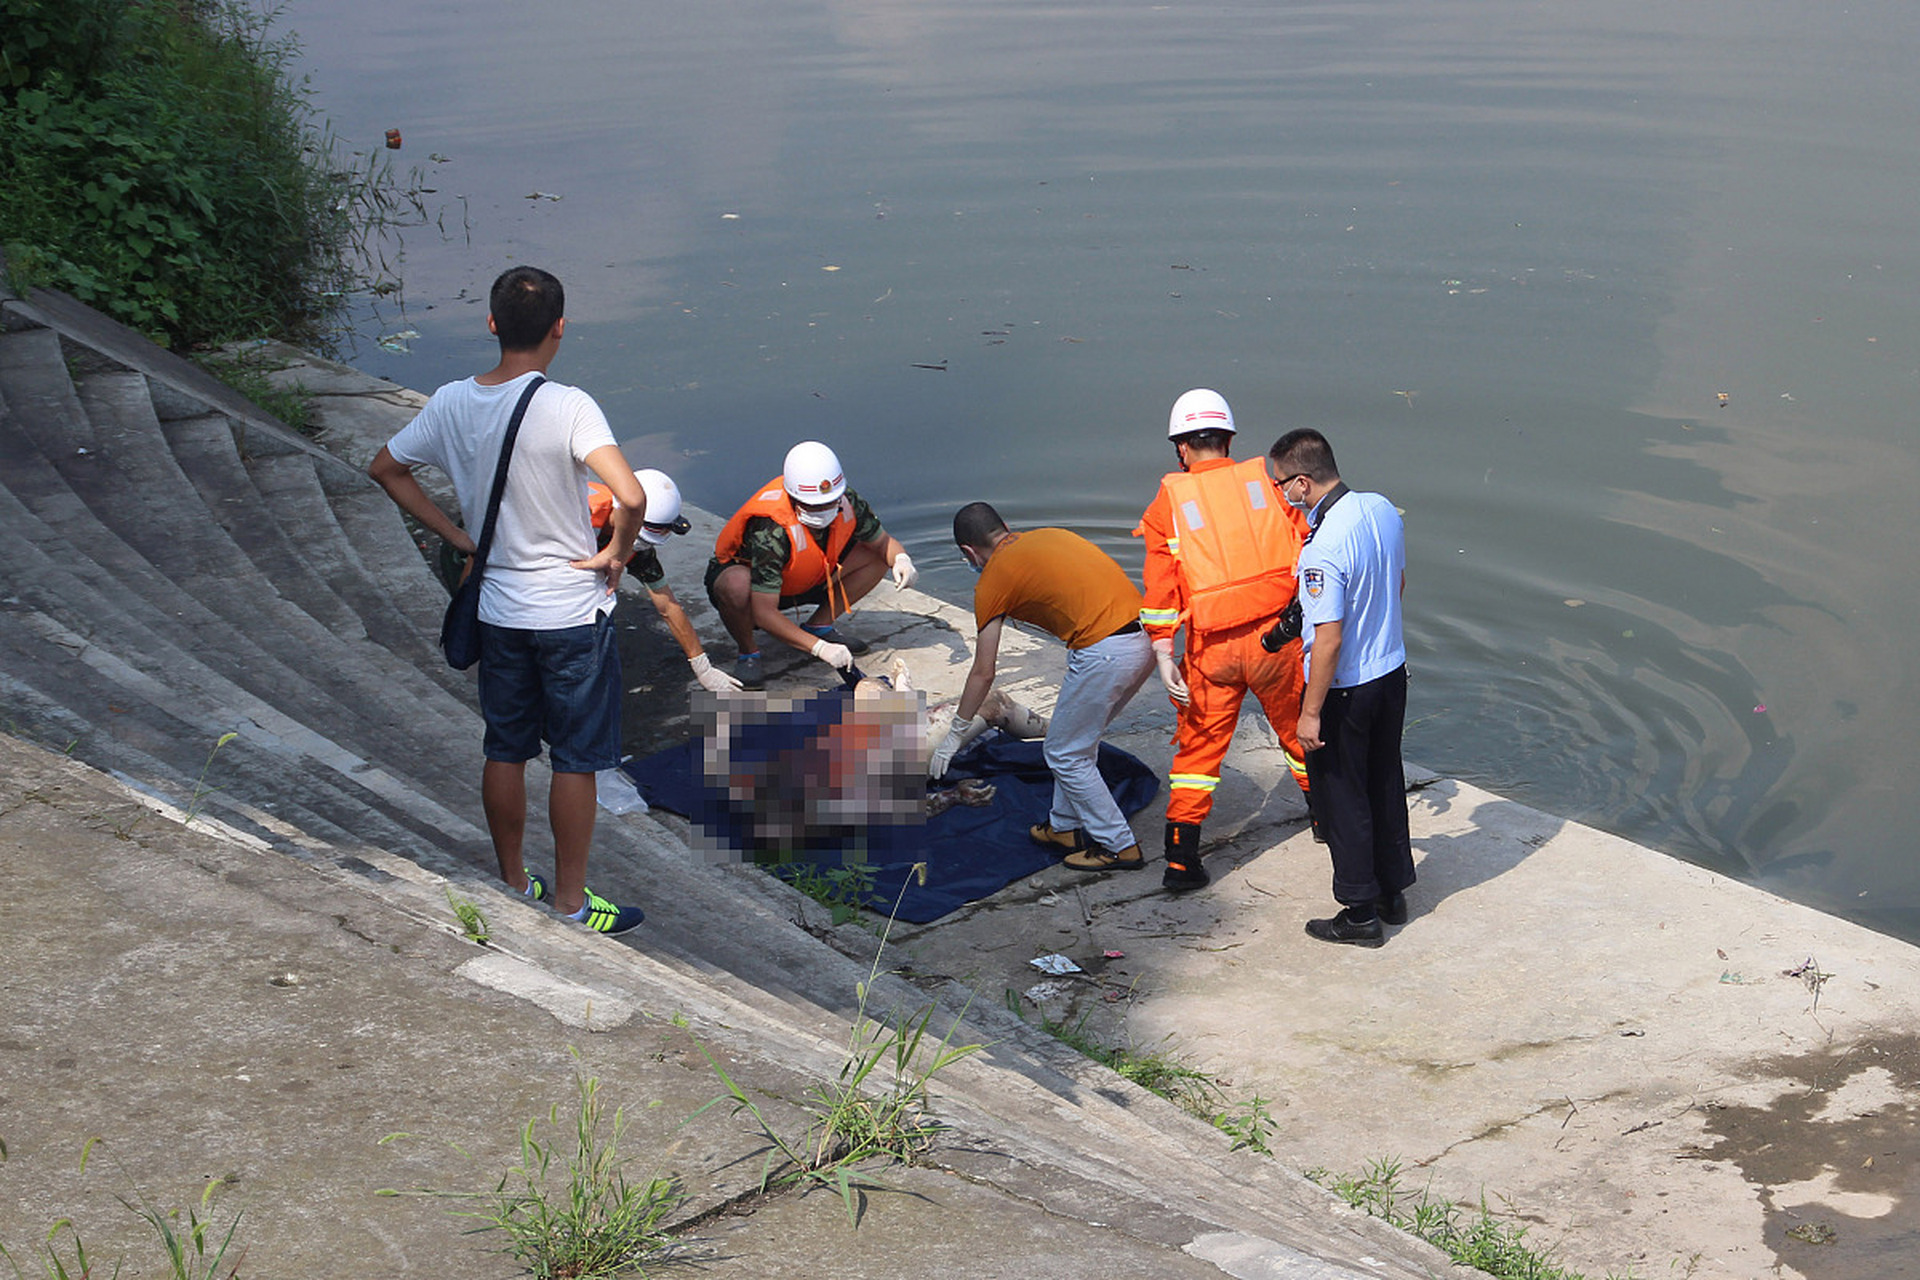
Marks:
<point>815,554</point>
<point>1221,547</point>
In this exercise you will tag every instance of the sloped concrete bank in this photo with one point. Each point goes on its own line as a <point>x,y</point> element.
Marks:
<point>1647,1065</point>
<point>1650,1066</point>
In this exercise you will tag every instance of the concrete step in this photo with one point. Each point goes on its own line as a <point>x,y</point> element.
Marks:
<point>122,604</point>
<point>204,449</point>
<point>292,491</point>
<point>33,373</point>
<point>190,558</point>
<point>379,534</point>
<point>65,688</point>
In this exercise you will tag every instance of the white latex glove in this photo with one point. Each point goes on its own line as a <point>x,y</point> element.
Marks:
<point>834,655</point>
<point>712,677</point>
<point>960,735</point>
<point>904,573</point>
<point>1170,671</point>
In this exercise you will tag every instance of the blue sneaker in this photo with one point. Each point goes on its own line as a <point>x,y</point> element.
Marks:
<point>602,916</point>
<point>749,671</point>
<point>536,887</point>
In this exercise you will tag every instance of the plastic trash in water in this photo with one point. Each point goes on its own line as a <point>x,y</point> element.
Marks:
<point>617,794</point>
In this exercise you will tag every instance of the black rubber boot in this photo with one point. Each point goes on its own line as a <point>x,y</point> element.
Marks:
<point>1184,871</point>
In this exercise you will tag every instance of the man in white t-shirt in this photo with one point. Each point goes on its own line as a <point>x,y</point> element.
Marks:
<point>549,670</point>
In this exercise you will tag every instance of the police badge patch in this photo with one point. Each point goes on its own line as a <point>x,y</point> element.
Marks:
<point>1315,581</point>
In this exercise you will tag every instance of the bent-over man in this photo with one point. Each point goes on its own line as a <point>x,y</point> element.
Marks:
<point>1066,586</point>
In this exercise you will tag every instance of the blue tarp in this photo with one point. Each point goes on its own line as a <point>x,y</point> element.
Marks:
<point>970,852</point>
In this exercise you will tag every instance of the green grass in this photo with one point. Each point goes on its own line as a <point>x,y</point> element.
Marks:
<point>842,890</point>
<point>1249,1122</point>
<point>248,375</point>
<point>567,1208</point>
<point>876,1110</point>
<point>1471,1236</point>
<point>190,1243</point>
<point>160,161</point>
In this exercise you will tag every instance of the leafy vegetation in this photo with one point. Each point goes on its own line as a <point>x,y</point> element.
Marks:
<point>157,162</point>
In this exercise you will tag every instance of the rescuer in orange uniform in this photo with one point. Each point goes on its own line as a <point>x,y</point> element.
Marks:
<point>803,539</point>
<point>1221,546</point>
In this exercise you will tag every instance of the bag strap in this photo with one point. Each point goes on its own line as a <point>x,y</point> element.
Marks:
<point>500,476</point>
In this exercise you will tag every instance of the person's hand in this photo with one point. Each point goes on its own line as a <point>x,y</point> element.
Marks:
<point>949,747</point>
<point>609,560</point>
<point>711,677</point>
<point>1170,672</point>
<point>904,573</point>
<point>1308,731</point>
<point>834,655</point>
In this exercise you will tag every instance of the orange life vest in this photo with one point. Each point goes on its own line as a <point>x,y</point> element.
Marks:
<point>1236,540</point>
<point>815,553</point>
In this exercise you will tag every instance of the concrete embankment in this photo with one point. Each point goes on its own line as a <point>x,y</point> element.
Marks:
<point>1647,1065</point>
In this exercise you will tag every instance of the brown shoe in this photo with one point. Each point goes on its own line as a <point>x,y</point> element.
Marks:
<point>1094,858</point>
<point>1074,841</point>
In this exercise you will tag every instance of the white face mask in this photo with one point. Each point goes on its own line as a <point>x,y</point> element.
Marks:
<point>1301,505</point>
<point>818,519</point>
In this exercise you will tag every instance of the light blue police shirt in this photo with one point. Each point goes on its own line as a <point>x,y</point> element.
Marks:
<point>1350,573</point>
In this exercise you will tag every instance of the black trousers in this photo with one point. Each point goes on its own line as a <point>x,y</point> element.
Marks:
<point>1360,789</point>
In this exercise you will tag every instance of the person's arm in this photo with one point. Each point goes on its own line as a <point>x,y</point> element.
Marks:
<point>681,627</point>
<point>1164,597</point>
<point>1321,664</point>
<point>397,478</point>
<point>896,558</point>
<point>608,463</point>
<point>986,653</point>
<point>973,696</point>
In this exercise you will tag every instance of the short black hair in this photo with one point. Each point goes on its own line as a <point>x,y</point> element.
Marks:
<point>1305,452</point>
<point>975,524</point>
<point>1210,438</point>
<point>526,303</point>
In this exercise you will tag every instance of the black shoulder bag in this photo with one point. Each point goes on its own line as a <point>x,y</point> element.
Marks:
<point>460,629</point>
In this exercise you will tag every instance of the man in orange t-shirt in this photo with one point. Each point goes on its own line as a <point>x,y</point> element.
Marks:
<point>1058,581</point>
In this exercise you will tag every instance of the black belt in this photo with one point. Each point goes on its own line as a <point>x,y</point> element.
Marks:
<point>1127,630</point>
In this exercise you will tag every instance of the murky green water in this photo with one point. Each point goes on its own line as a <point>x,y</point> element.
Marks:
<point>1507,255</point>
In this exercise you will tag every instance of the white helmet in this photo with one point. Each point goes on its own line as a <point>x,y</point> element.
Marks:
<point>1199,410</point>
<point>662,516</point>
<point>812,473</point>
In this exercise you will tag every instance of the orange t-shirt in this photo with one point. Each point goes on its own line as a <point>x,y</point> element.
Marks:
<point>1059,582</point>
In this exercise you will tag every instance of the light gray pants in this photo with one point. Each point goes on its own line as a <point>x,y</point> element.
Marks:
<point>1101,679</point>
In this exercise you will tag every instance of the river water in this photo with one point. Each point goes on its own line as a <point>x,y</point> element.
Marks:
<point>1614,300</point>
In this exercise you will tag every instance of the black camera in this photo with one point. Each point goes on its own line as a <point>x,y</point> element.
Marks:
<point>1285,631</point>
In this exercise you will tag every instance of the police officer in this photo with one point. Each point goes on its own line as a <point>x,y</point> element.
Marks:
<point>1353,571</point>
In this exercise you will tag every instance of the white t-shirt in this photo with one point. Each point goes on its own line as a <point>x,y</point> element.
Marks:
<point>543,521</point>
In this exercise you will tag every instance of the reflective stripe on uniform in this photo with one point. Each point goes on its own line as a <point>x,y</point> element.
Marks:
<point>1193,781</point>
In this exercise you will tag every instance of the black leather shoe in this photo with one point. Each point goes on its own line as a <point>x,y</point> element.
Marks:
<point>1342,928</point>
<point>1392,909</point>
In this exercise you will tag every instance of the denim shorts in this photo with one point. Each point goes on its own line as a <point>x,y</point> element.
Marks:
<point>560,686</point>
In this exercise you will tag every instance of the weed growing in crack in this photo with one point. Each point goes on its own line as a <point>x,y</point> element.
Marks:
<point>567,1208</point>
<point>1249,1123</point>
<point>841,890</point>
<point>1471,1237</point>
<point>200,788</point>
<point>473,921</point>
<point>877,1109</point>
<point>193,1249</point>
